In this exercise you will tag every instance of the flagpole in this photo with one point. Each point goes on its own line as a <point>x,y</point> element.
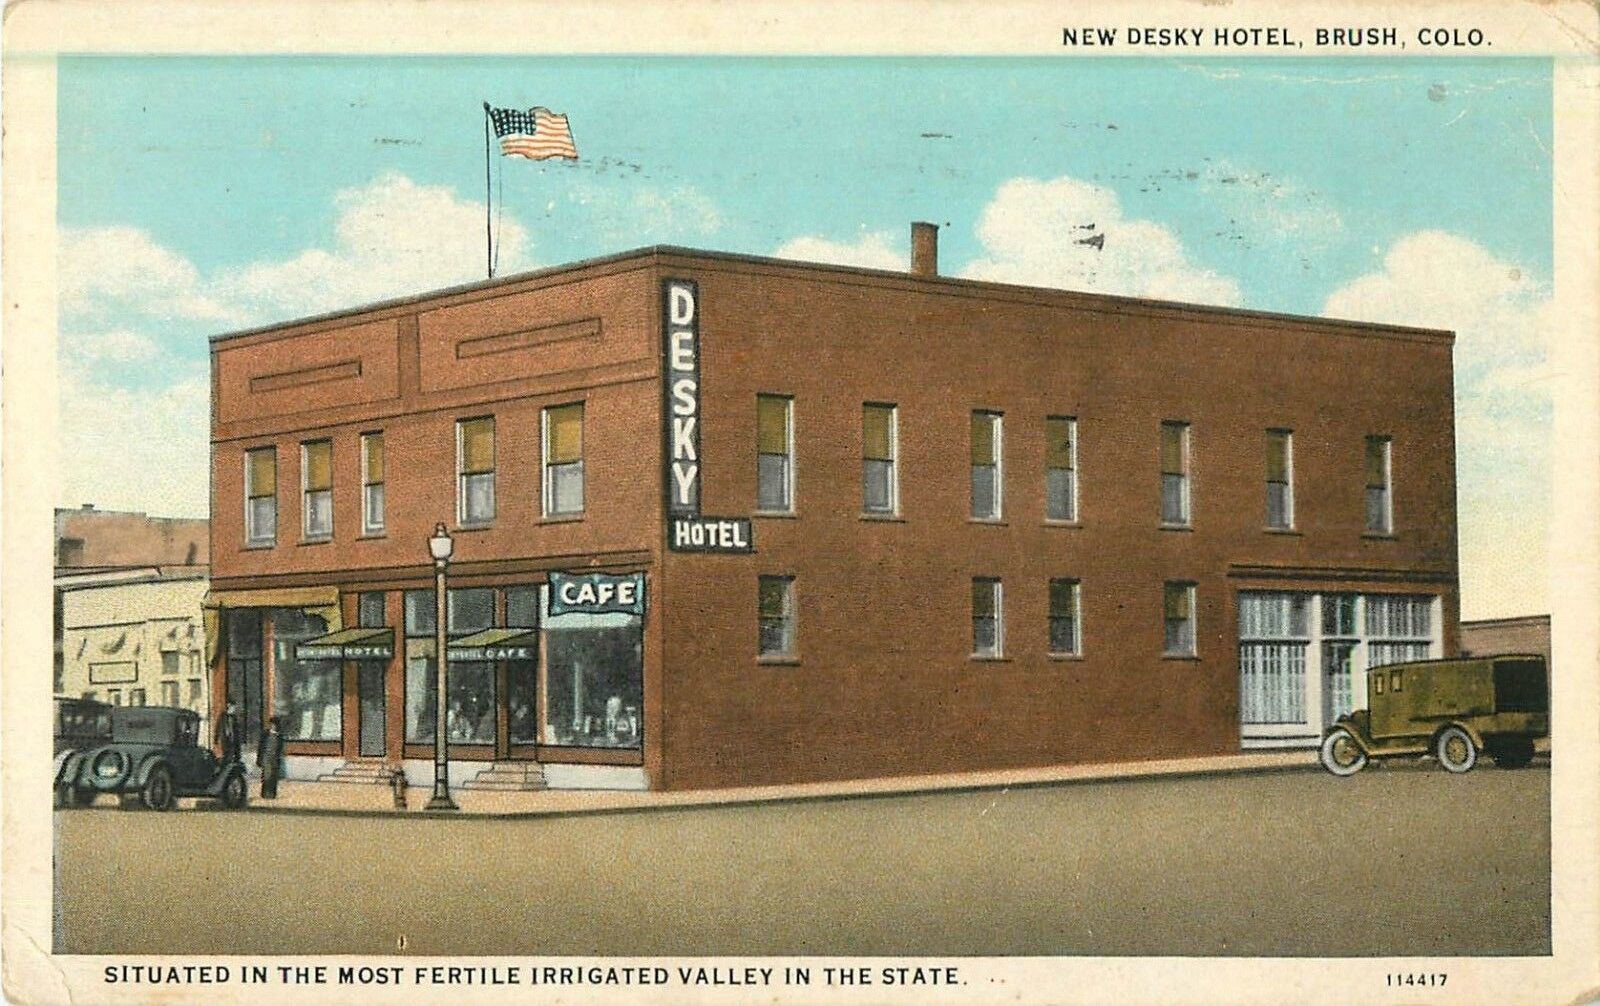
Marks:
<point>488,196</point>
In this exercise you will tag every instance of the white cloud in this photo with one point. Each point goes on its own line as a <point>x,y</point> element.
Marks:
<point>135,449</point>
<point>392,237</point>
<point>871,250</point>
<point>118,346</point>
<point>1502,318</point>
<point>1278,210</point>
<point>1031,233</point>
<point>104,269</point>
<point>629,217</point>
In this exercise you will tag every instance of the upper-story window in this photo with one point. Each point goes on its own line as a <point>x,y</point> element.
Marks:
<point>563,460</point>
<point>1178,614</point>
<point>1280,479</point>
<point>986,473</point>
<point>774,453</point>
<point>372,483</point>
<point>475,471</point>
<point>775,602</point>
<point>1175,473</point>
<point>261,496</point>
<point>1065,618</point>
<point>1061,468</point>
<point>880,448</point>
<point>316,489</point>
<point>1380,499</point>
<point>988,617</point>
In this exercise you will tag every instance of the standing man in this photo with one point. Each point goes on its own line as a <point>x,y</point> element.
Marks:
<point>269,756</point>
<point>228,734</point>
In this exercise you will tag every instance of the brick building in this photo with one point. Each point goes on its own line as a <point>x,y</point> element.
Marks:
<point>721,519</point>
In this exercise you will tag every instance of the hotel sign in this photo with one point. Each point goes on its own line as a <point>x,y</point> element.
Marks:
<point>596,593</point>
<point>687,530</point>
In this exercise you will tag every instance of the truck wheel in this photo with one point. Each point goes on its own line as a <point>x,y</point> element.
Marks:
<point>1455,750</point>
<point>234,792</point>
<point>1340,754</point>
<point>157,792</point>
<point>1512,754</point>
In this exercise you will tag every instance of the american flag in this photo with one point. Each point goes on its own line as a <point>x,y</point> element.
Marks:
<point>535,134</point>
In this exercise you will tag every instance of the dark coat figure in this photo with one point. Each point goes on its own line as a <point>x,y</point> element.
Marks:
<point>269,756</point>
<point>228,734</point>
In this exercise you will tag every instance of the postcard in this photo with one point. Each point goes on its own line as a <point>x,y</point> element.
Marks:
<point>796,503</point>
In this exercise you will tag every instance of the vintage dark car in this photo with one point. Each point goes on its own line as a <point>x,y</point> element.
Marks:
<point>1451,709</point>
<point>80,723</point>
<point>153,757</point>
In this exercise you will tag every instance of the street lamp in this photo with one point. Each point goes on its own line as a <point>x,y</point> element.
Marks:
<point>440,546</point>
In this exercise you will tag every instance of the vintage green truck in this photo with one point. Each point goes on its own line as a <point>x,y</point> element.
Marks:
<point>1451,709</point>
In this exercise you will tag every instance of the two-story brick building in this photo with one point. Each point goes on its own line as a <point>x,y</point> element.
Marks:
<point>878,523</point>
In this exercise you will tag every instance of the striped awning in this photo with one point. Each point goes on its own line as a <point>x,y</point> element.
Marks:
<point>497,644</point>
<point>349,644</point>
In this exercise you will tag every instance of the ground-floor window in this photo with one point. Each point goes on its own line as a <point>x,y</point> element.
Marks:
<point>1303,656</point>
<point>594,680</point>
<point>308,695</point>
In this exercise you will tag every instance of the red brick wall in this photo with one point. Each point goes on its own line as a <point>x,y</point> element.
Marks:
<point>884,683</point>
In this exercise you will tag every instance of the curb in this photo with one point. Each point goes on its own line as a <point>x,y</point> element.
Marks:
<point>711,802</point>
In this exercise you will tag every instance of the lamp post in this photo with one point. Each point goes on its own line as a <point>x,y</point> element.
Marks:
<point>440,546</point>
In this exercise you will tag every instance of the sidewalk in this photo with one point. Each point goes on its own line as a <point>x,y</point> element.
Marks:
<point>352,798</point>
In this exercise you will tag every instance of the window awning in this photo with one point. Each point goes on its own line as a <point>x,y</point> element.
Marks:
<point>349,644</point>
<point>497,644</point>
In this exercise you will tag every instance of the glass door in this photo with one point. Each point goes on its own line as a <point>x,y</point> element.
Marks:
<point>369,689</point>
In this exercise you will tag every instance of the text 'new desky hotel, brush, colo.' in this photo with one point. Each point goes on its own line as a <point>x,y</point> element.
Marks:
<point>723,520</point>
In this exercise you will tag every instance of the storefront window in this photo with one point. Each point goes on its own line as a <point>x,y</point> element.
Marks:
<point>594,681</point>
<point>307,693</point>
<point>470,714</point>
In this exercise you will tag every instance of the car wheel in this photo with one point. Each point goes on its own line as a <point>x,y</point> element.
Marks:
<point>157,792</point>
<point>1455,750</point>
<point>1340,754</point>
<point>234,793</point>
<point>1512,754</point>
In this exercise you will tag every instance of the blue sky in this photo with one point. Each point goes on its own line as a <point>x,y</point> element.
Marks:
<point>203,194</point>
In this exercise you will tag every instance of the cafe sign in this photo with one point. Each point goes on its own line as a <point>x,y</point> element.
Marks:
<point>596,593</point>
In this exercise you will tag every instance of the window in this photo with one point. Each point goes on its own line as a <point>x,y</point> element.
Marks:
<point>1178,610</point>
<point>986,451</point>
<point>169,693</point>
<point>1274,642</point>
<point>261,496</point>
<point>194,691</point>
<point>774,453</point>
<point>880,449</point>
<point>988,627</point>
<point>563,460</point>
<point>114,696</point>
<point>308,694</point>
<point>470,712</point>
<point>136,697</point>
<point>1065,614</point>
<point>1380,505</point>
<point>1399,628</point>
<point>1175,474</point>
<point>372,483</point>
<point>370,610</point>
<point>1061,468</point>
<point>1340,638</point>
<point>776,601</point>
<point>169,661</point>
<point>1280,479</point>
<point>316,480</point>
<point>475,471</point>
<point>593,680</point>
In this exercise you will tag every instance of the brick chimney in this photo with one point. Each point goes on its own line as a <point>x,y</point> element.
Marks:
<point>924,249</point>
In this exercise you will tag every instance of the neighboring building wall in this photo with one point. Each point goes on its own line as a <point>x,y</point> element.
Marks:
<point>143,637</point>
<point>1528,634</point>
<point>883,682</point>
<point>92,538</point>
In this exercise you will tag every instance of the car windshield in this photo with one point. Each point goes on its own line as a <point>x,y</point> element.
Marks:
<point>83,721</point>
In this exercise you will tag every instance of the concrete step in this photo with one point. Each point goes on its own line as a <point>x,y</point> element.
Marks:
<point>359,773</point>
<point>519,776</point>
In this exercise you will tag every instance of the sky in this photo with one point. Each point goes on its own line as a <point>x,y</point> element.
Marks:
<point>202,195</point>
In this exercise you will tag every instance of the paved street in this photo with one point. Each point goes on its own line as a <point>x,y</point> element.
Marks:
<point>1399,861</point>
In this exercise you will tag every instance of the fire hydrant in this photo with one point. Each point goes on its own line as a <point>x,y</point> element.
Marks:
<point>397,783</point>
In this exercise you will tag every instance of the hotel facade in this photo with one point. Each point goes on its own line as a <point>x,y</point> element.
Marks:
<point>723,520</point>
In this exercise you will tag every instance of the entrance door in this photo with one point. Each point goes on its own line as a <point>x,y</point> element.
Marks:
<point>369,691</point>
<point>245,686</point>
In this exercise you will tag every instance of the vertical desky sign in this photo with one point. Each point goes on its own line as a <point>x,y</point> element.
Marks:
<point>687,530</point>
